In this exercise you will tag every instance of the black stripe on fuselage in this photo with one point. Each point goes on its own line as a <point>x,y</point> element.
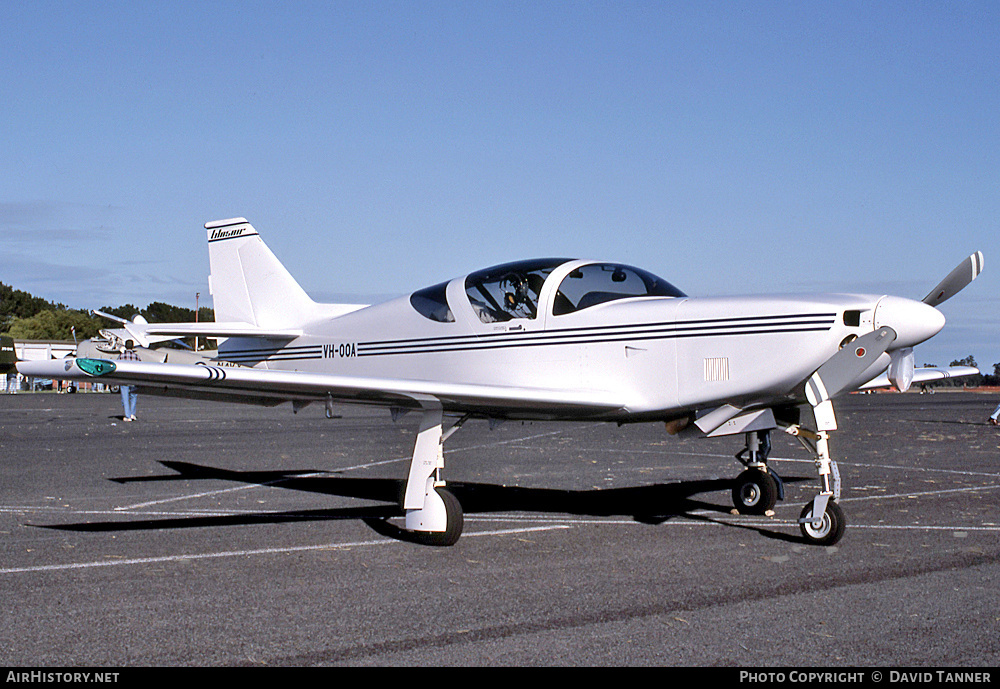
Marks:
<point>723,327</point>
<point>580,341</point>
<point>826,318</point>
<point>651,331</point>
<point>273,354</point>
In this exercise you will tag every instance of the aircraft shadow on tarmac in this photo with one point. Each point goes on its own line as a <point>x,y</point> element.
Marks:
<point>650,504</point>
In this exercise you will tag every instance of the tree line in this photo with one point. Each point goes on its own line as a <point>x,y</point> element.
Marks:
<point>973,381</point>
<point>24,316</point>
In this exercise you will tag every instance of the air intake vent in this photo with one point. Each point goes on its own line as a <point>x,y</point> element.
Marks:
<point>852,319</point>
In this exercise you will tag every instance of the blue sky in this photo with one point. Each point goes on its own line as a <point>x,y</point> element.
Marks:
<point>731,147</point>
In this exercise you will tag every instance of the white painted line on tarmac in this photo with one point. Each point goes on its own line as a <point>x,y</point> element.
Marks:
<point>723,520</point>
<point>220,491</point>
<point>542,523</point>
<point>920,494</point>
<point>356,467</point>
<point>248,553</point>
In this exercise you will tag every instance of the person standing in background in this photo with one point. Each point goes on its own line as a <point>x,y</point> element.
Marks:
<point>129,394</point>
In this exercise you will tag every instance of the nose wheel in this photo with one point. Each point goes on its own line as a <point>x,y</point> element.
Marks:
<point>825,530</point>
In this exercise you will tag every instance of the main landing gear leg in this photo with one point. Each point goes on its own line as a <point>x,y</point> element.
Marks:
<point>433,513</point>
<point>822,520</point>
<point>757,489</point>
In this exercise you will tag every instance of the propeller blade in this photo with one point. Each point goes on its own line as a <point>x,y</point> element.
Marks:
<point>843,369</point>
<point>966,271</point>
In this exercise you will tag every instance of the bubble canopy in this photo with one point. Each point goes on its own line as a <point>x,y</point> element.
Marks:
<point>512,290</point>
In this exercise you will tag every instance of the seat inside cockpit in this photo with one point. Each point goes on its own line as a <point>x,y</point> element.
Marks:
<point>509,291</point>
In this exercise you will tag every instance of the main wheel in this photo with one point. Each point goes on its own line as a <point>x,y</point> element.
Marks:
<point>755,492</point>
<point>826,531</point>
<point>455,522</point>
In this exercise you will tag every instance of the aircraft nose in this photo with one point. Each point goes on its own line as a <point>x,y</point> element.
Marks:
<point>913,321</point>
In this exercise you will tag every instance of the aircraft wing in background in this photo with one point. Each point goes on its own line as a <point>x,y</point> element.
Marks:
<point>924,375</point>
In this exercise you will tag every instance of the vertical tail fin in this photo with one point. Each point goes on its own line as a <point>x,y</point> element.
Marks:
<point>248,283</point>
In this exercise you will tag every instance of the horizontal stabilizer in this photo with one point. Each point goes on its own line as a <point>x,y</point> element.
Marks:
<point>215,329</point>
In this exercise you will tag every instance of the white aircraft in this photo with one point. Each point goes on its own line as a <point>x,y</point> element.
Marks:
<point>110,342</point>
<point>553,339</point>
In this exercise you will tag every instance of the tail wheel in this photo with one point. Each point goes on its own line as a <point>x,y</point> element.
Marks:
<point>755,492</point>
<point>825,531</point>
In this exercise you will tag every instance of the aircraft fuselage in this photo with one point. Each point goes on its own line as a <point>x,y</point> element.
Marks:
<point>661,356</point>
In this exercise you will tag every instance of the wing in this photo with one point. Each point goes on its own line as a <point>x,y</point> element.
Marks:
<point>263,386</point>
<point>924,375</point>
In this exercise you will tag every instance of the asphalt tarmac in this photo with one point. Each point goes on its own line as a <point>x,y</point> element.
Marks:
<point>227,535</point>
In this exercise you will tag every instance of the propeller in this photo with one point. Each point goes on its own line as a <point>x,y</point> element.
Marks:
<point>841,371</point>
<point>901,366</point>
<point>966,271</point>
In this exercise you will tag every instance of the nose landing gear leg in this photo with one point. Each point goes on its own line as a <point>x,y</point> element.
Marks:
<point>822,520</point>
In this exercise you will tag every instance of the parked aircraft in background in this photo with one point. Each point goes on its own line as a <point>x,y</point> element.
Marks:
<point>8,357</point>
<point>550,338</point>
<point>111,341</point>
